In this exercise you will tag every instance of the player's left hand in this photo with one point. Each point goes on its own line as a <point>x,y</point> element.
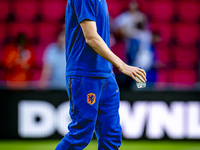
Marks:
<point>134,72</point>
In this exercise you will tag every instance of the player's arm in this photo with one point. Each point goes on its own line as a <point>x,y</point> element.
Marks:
<point>96,42</point>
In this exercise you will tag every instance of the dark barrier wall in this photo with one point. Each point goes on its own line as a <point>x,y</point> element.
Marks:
<point>144,114</point>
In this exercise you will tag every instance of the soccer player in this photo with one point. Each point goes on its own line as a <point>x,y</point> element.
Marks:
<point>91,85</point>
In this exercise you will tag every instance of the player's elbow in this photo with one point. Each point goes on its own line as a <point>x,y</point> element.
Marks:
<point>90,40</point>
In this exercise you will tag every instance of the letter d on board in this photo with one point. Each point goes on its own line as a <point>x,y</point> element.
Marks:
<point>35,119</point>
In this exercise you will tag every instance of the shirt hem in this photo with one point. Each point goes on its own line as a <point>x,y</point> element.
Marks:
<point>82,18</point>
<point>89,74</point>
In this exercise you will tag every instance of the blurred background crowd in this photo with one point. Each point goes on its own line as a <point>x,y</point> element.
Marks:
<point>160,36</point>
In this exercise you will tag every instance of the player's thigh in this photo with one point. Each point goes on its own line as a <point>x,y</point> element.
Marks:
<point>84,95</point>
<point>110,97</point>
<point>108,121</point>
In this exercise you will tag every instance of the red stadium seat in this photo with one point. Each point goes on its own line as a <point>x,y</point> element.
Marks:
<point>125,4</point>
<point>164,30</point>
<point>163,54</point>
<point>185,58</point>
<point>187,77</point>
<point>183,65</point>
<point>47,32</point>
<point>25,10</point>
<point>160,11</point>
<point>142,6</point>
<point>162,76</point>
<point>186,34</point>
<point>1,56</point>
<point>15,28</point>
<point>115,7</point>
<point>162,79</point>
<point>52,11</point>
<point>1,75</point>
<point>4,10</point>
<point>187,54</point>
<point>39,50</point>
<point>188,11</point>
<point>2,32</point>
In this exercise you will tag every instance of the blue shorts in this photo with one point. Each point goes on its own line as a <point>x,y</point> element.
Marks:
<point>94,106</point>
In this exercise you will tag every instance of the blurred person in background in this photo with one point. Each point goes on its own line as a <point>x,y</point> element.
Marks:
<point>141,55</point>
<point>125,30</point>
<point>18,60</point>
<point>142,52</point>
<point>53,73</point>
<point>126,23</point>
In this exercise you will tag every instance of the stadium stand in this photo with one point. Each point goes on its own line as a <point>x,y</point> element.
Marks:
<point>188,11</point>
<point>181,77</point>
<point>160,11</point>
<point>178,23</point>
<point>46,32</point>
<point>13,29</point>
<point>4,10</point>
<point>186,58</point>
<point>25,11</point>
<point>163,54</point>
<point>165,31</point>
<point>186,34</point>
<point>52,11</point>
<point>2,32</point>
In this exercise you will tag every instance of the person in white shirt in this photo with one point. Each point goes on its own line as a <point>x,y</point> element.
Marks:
<point>53,73</point>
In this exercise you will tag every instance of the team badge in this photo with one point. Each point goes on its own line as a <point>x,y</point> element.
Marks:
<point>91,98</point>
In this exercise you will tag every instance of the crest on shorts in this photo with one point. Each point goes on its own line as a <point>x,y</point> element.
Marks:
<point>91,98</point>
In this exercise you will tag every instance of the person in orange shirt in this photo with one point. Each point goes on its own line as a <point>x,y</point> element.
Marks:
<point>18,58</point>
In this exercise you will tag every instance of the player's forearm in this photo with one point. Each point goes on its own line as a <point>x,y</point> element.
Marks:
<point>102,49</point>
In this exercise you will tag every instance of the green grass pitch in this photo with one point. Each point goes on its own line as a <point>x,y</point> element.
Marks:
<point>126,145</point>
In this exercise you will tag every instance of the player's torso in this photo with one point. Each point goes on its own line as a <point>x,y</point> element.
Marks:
<point>79,55</point>
<point>102,17</point>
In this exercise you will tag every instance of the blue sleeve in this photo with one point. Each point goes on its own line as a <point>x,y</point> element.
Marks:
<point>85,9</point>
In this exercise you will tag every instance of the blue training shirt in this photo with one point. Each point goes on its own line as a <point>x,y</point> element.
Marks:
<point>80,57</point>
